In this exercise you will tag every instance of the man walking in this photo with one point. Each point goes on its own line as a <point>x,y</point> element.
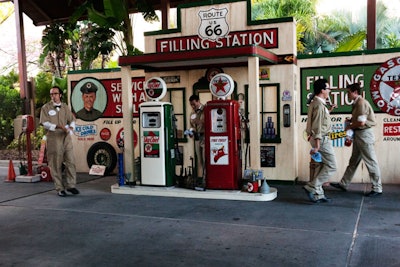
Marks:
<point>59,122</point>
<point>362,121</point>
<point>318,128</point>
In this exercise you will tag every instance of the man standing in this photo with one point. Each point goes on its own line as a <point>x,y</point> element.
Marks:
<point>197,124</point>
<point>362,121</point>
<point>318,128</point>
<point>88,112</point>
<point>59,123</point>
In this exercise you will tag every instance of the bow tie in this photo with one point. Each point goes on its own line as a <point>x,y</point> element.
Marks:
<point>57,106</point>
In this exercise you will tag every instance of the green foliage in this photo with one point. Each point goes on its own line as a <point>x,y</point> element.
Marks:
<point>43,81</point>
<point>36,139</point>
<point>333,33</point>
<point>303,11</point>
<point>352,42</point>
<point>55,44</point>
<point>10,108</point>
<point>114,15</point>
<point>95,41</point>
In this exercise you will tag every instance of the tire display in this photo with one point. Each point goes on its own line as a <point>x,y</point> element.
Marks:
<point>102,153</point>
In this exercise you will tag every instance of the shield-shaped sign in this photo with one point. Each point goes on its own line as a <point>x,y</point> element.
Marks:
<point>213,24</point>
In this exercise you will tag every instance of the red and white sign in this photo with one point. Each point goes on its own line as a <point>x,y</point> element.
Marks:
<point>219,150</point>
<point>105,134</point>
<point>391,129</point>
<point>385,87</point>
<point>151,139</point>
<point>120,138</point>
<point>266,38</point>
<point>113,89</point>
<point>155,88</point>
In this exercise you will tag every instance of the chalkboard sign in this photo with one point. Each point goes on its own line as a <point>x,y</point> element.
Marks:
<point>267,156</point>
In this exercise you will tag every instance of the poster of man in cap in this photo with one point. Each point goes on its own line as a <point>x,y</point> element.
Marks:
<point>88,109</point>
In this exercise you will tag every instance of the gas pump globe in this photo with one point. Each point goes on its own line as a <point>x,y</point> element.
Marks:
<point>157,150</point>
<point>222,136</point>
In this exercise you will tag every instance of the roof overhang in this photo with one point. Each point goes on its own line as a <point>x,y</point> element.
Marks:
<point>45,12</point>
<point>183,60</point>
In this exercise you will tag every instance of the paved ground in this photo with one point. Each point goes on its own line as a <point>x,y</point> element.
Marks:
<point>99,228</point>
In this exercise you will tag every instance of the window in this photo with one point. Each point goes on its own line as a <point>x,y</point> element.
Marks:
<point>270,119</point>
<point>177,97</point>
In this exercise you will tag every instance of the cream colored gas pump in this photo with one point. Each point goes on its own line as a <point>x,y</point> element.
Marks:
<point>157,136</point>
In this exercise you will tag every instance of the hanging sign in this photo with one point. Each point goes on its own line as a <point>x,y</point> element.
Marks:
<point>155,88</point>
<point>213,24</point>
<point>222,85</point>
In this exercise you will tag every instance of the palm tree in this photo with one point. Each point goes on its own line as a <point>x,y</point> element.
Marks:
<point>114,14</point>
<point>302,10</point>
<point>334,33</point>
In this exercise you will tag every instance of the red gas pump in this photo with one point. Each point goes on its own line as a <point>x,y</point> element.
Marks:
<point>28,127</point>
<point>222,137</point>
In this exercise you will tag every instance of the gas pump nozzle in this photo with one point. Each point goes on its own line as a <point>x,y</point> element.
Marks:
<point>189,132</point>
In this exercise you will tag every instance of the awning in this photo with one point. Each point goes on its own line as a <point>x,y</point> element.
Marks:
<point>226,57</point>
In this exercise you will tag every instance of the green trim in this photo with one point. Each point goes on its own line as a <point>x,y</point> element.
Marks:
<point>216,2</point>
<point>169,31</point>
<point>269,21</point>
<point>352,53</point>
<point>184,115</point>
<point>94,71</point>
<point>210,2</point>
<point>189,5</point>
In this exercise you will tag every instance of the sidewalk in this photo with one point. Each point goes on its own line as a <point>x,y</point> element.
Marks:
<point>99,228</point>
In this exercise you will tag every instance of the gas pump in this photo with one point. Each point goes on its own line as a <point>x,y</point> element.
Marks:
<point>157,136</point>
<point>27,128</point>
<point>222,136</point>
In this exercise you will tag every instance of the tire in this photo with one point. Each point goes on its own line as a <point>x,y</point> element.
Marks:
<point>102,153</point>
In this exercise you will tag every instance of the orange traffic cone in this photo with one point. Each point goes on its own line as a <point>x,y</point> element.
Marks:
<point>11,172</point>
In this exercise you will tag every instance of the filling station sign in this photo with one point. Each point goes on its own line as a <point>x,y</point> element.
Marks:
<point>214,32</point>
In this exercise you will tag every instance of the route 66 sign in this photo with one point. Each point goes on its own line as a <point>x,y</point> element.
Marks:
<point>213,25</point>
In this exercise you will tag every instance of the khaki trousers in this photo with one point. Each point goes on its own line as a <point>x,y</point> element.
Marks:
<point>327,168</point>
<point>363,149</point>
<point>59,151</point>
<point>200,156</point>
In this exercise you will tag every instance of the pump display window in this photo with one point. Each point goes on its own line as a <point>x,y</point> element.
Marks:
<point>270,117</point>
<point>176,97</point>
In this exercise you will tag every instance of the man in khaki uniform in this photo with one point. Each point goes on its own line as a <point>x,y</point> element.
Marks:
<point>318,128</point>
<point>59,122</point>
<point>362,121</point>
<point>197,124</point>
